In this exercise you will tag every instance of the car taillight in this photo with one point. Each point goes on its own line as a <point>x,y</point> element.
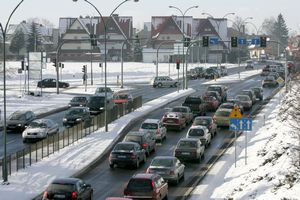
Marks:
<point>158,131</point>
<point>172,173</point>
<point>74,195</point>
<point>45,195</point>
<point>145,145</point>
<point>127,193</point>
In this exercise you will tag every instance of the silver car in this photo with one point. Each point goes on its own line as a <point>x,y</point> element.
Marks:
<point>201,133</point>
<point>189,149</point>
<point>39,129</point>
<point>164,81</point>
<point>155,126</point>
<point>245,101</point>
<point>169,167</point>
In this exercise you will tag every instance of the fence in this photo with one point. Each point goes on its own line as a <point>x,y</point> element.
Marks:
<point>39,150</point>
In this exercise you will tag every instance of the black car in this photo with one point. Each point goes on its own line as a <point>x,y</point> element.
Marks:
<point>144,138</point>
<point>211,73</point>
<point>76,115</point>
<point>127,153</point>
<point>97,106</point>
<point>259,92</point>
<point>78,101</point>
<point>194,103</point>
<point>68,188</point>
<point>18,120</point>
<point>51,83</point>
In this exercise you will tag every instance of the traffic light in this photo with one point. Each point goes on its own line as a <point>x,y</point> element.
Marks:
<point>54,62</point>
<point>263,41</point>
<point>23,65</point>
<point>84,68</point>
<point>234,41</point>
<point>93,40</point>
<point>177,64</point>
<point>205,41</point>
<point>187,41</point>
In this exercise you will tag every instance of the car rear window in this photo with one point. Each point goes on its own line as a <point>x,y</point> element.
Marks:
<point>66,187</point>
<point>133,138</point>
<point>178,110</point>
<point>196,132</point>
<point>192,100</point>
<point>217,89</point>
<point>187,144</point>
<point>140,185</point>
<point>222,113</point>
<point>162,162</point>
<point>149,126</point>
<point>229,106</point>
<point>124,147</point>
<point>201,122</point>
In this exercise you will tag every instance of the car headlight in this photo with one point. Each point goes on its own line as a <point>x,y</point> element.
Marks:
<point>65,119</point>
<point>20,124</point>
<point>78,120</point>
<point>101,108</point>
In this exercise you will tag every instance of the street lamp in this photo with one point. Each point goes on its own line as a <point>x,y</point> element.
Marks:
<point>105,54</point>
<point>184,80</point>
<point>218,25</point>
<point>3,30</point>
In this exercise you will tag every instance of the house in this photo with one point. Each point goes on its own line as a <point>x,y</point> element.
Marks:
<point>76,31</point>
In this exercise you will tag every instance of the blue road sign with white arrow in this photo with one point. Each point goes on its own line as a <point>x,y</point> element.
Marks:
<point>242,41</point>
<point>255,41</point>
<point>243,124</point>
<point>213,40</point>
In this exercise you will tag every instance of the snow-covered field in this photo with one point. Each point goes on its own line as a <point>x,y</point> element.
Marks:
<point>273,157</point>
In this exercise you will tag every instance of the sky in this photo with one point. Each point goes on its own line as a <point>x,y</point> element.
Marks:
<point>144,9</point>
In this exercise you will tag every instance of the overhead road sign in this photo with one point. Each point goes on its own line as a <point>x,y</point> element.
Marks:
<point>213,41</point>
<point>255,41</point>
<point>242,41</point>
<point>243,124</point>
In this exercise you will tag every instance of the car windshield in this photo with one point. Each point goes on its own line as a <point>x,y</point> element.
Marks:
<point>17,116</point>
<point>96,101</point>
<point>100,90</point>
<point>222,113</point>
<point>227,105</point>
<point>187,144</point>
<point>133,138</point>
<point>201,121</point>
<point>37,125</point>
<point>242,98</point>
<point>122,96</point>
<point>78,99</point>
<point>75,112</point>
<point>149,126</point>
<point>196,132</point>
<point>178,109</point>
<point>162,162</point>
<point>124,147</point>
<point>140,185</point>
<point>65,187</point>
<point>191,100</point>
<point>209,70</point>
<point>271,78</point>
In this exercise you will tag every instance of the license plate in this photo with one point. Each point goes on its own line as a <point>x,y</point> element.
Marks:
<point>170,121</point>
<point>185,153</point>
<point>121,156</point>
<point>60,196</point>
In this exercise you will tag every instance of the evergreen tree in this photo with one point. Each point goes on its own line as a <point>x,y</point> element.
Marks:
<point>137,51</point>
<point>281,32</point>
<point>34,38</point>
<point>17,42</point>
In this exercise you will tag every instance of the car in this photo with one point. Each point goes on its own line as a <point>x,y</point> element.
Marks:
<point>127,153</point>
<point>96,104</point>
<point>200,71</point>
<point>122,97</point>
<point>211,103</point>
<point>269,81</point>
<point>259,92</point>
<point>146,186</point>
<point>189,149</point>
<point>145,139</point>
<point>174,120</point>
<point>78,101</point>
<point>39,129</point>
<point>208,122</point>
<point>221,89</point>
<point>218,70</point>
<point>117,198</point>
<point>76,115</point>
<point>156,127</point>
<point>213,94</point>
<point>185,111</point>
<point>211,73</point>
<point>223,70</point>
<point>232,105</point>
<point>250,93</point>
<point>68,188</point>
<point>18,120</point>
<point>249,64</point>
<point>237,103</point>
<point>164,81</point>
<point>51,83</point>
<point>201,133</point>
<point>100,91</point>
<point>245,101</point>
<point>195,103</point>
<point>275,74</point>
<point>169,167</point>
<point>221,117</point>
<point>193,74</point>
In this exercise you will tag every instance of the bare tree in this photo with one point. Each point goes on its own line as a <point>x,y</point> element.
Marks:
<point>42,21</point>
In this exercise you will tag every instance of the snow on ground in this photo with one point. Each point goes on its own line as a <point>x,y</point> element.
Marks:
<point>273,161</point>
<point>29,182</point>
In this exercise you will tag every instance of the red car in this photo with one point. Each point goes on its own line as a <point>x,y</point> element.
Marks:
<point>211,103</point>
<point>174,120</point>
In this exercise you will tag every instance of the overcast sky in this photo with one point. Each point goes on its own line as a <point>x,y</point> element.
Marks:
<point>144,9</point>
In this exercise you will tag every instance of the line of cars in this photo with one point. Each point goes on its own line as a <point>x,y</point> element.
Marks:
<point>273,73</point>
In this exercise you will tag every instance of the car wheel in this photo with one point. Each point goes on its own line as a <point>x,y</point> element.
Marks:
<point>159,85</point>
<point>111,165</point>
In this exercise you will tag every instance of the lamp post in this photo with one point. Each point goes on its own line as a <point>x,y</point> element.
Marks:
<point>3,30</point>
<point>218,26</point>
<point>184,80</point>
<point>105,54</point>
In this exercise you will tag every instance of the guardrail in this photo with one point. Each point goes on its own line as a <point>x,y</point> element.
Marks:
<point>39,150</point>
